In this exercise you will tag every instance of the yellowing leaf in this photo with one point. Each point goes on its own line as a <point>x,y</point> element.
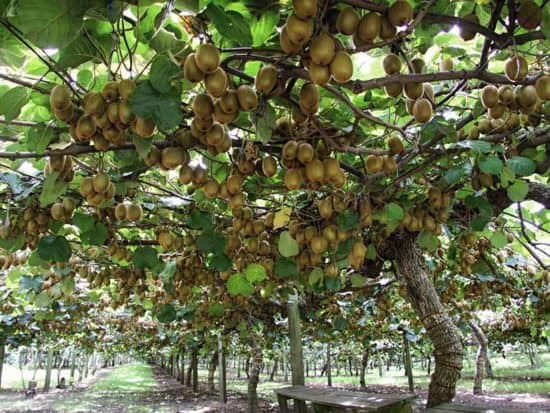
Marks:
<point>282,217</point>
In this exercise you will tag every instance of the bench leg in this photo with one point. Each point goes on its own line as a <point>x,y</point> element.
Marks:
<point>317,408</point>
<point>283,403</point>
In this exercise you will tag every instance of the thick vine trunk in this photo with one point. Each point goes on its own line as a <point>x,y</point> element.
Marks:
<point>212,370</point>
<point>195,357</point>
<point>274,369</point>
<point>189,373</point>
<point>364,363</point>
<point>489,367</point>
<point>49,362</point>
<point>329,372</point>
<point>2,355</point>
<point>255,363</point>
<point>444,335</point>
<point>481,358</point>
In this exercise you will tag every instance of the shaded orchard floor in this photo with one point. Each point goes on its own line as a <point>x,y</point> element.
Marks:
<point>138,388</point>
<point>135,388</point>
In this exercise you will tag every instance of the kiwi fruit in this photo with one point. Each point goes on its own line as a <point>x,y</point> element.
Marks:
<point>374,164</point>
<point>389,165</point>
<point>516,68</point>
<point>134,212</point>
<point>395,145</point>
<point>369,27</point>
<point>125,114</point>
<point>391,64</point>
<point>120,212</point>
<point>110,91</point>
<point>190,69</point>
<point>221,116</point>
<point>207,58</point>
<point>144,127</point>
<point>400,13</point>
<point>418,65</point>
<point>322,49</point>
<point>484,125</point>
<point>422,110</point>
<point>413,90</point>
<point>341,67</point>
<point>185,175</point>
<point>215,82</point>
<point>299,31</point>
<point>309,98</point>
<point>57,211</point>
<point>465,32</point>
<point>288,46</point>
<point>446,65</point>
<point>290,150</point>
<point>393,89</point>
<point>320,75</point>
<point>497,111</point>
<point>387,30</point>
<point>215,135</point>
<point>542,87</point>
<point>112,112</point>
<point>266,79</point>
<point>94,104</point>
<point>305,9</point>
<point>125,88</point>
<point>247,97</point>
<point>527,96</point>
<point>203,106</point>
<point>315,171</point>
<point>489,96</point>
<point>211,188</point>
<point>473,133</point>
<point>505,94</point>
<point>85,127</point>
<point>529,15</point>
<point>305,153</point>
<point>269,166</point>
<point>60,97</point>
<point>100,182</point>
<point>347,21</point>
<point>293,179</point>
<point>172,157</point>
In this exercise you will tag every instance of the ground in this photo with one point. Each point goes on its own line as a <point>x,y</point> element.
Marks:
<point>139,388</point>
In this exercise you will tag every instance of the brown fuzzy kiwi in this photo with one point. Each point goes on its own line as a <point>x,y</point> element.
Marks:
<point>391,64</point>
<point>418,65</point>
<point>60,97</point>
<point>288,46</point>
<point>125,88</point>
<point>299,31</point>
<point>322,49</point>
<point>395,145</point>
<point>293,179</point>
<point>516,68</point>
<point>144,127</point>
<point>269,166</point>
<point>341,67</point>
<point>191,71</point>
<point>387,30</point>
<point>247,97</point>
<point>207,58</point>
<point>374,164</point>
<point>400,13</point>
<point>466,32</point>
<point>229,102</point>
<point>223,117</point>
<point>542,87</point>
<point>446,65</point>
<point>266,79</point>
<point>85,127</point>
<point>413,90</point>
<point>320,75</point>
<point>309,98</point>
<point>369,27</point>
<point>94,104</point>
<point>110,91</point>
<point>394,89</point>
<point>527,96</point>
<point>216,82</point>
<point>305,153</point>
<point>203,106</point>
<point>305,9</point>
<point>505,94</point>
<point>134,212</point>
<point>422,110</point>
<point>290,150</point>
<point>489,96</point>
<point>100,182</point>
<point>529,15</point>
<point>347,21</point>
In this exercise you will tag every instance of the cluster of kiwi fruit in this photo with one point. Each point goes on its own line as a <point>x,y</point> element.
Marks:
<point>61,164</point>
<point>120,252</point>
<point>420,96</point>
<point>63,211</point>
<point>168,241</point>
<point>128,211</point>
<point>385,163</point>
<point>14,259</point>
<point>327,60</point>
<point>97,189</point>
<point>430,215</point>
<point>33,222</point>
<point>304,166</point>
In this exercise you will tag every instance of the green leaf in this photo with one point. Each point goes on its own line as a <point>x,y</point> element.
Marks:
<point>288,247</point>
<point>95,236</point>
<point>428,241</point>
<point>347,220</point>
<point>498,239</point>
<point>13,101</point>
<point>263,28</point>
<point>163,108</point>
<point>84,222</point>
<point>168,271</point>
<point>255,273</point>
<point>146,257</point>
<point>143,146</point>
<point>266,124</point>
<point>518,190</point>
<point>394,212</point>
<point>166,313</point>
<point>230,24</point>
<point>67,285</point>
<point>10,245</point>
<point>199,220</point>
<point>216,310</point>
<point>54,248</point>
<point>87,47</point>
<point>455,174</point>
<point>358,281</point>
<point>38,138</point>
<point>316,276</point>
<point>42,299</point>
<point>162,72</point>
<point>218,262</point>
<point>475,146</point>
<point>210,241</point>
<point>491,165</point>
<point>30,283</point>
<point>545,24</point>
<point>52,23</point>
<point>285,268</point>
<point>52,189</point>
<point>521,166</point>
<point>237,284</point>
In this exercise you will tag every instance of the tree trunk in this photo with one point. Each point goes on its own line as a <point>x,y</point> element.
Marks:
<point>212,370</point>
<point>489,367</point>
<point>182,367</point>
<point>189,373</point>
<point>255,362</point>
<point>329,373</point>
<point>274,369</point>
<point>379,360</point>
<point>407,362</point>
<point>364,362</point>
<point>195,362</point>
<point>222,372</point>
<point>49,362</point>
<point>481,357</point>
<point>444,335</point>
<point>2,356</point>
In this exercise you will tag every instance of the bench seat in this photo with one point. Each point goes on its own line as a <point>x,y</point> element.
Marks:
<point>460,408</point>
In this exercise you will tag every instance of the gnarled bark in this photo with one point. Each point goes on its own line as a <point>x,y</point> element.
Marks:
<point>255,364</point>
<point>481,357</point>
<point>212,370</point>
<point>445,337</point>
<point>364,362</point>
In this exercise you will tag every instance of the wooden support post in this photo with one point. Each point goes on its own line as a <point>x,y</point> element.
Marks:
<point>222,371</point>
<point>296,352</point>
<point>182,367</point>
<point>408,362</point>
<point>329,372</point>
<point>195,364</point>
<point>2,355</point>
<point>49,362</point>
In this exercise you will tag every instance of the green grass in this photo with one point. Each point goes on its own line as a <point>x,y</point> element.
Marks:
<point>127,378</point>
<point>11,377</point>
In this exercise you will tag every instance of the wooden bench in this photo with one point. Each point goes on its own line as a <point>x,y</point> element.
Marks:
<point>459,408</point>
<point>337,401</point>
